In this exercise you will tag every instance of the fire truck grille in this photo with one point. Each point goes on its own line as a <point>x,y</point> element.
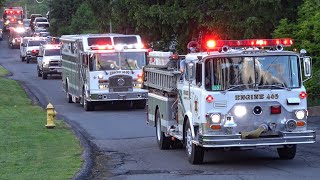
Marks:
<point>120,83</point>
<point>55,63</point>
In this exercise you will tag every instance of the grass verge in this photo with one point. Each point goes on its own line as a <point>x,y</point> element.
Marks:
<point>27,149</point>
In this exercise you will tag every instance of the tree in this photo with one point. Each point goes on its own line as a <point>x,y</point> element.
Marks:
<point>306,34</point>
<point>83,21</point>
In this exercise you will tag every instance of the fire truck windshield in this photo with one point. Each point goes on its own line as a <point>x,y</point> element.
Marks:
<point>13,16</point>
<point>116,61</point>
<point>36,43</point>
<point>262,72</point>
<point>52,52</point>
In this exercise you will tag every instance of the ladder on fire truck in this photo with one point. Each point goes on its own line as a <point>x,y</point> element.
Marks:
<point>163,76</point>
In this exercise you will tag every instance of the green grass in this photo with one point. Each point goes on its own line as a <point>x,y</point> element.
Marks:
<point>27,149</point>
<point>3,71</point>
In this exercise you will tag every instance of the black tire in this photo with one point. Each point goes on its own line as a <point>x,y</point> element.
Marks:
<point>38,72</point>
<point>140,104</point>
<point>44,75</point>
<point>287,152</point>
<point>88,106</point>
<point>27,60</point>
<point>69,97</point>
<point>163,141</point>
<point>195,153</point>
<point>22,58</point>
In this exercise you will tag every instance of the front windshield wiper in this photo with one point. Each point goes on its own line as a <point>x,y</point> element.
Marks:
<point>280,85</point>
<point>236,86</point>
<point>126,60</point>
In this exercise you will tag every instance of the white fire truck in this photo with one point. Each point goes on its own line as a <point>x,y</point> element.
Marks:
<point>97,68</point>
<point>235,94</point>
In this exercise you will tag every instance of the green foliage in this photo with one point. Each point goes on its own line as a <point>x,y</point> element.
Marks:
<point>306,33</point>
<point>167,22</point>
<point>83,21</point>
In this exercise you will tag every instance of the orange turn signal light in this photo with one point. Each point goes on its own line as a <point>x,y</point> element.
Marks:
<point>301,123</point>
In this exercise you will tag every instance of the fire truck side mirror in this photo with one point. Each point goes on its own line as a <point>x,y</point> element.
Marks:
<point>190,70</point>
<point>307,66</point>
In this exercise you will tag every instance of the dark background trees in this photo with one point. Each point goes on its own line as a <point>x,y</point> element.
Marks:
<point>167,24</point>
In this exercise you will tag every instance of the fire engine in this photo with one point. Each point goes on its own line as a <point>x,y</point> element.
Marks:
<point>12,16</point>
<point>99,68</point>
<point>234,94</point>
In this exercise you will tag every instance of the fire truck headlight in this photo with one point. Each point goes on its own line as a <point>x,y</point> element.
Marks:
<point>103,86</point>
<point>300,114</point>
<point>100,76</point>
<point>215,118</point>
<point>240,111</point>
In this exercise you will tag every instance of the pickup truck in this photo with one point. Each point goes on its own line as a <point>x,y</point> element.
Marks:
<point>29,48</point>
<point>49,60</point>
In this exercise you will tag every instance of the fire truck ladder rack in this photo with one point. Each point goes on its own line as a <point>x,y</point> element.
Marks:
<point>161,79</point>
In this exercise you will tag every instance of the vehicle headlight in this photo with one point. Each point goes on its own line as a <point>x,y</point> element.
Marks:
<point>103,86</point>
<point>28,52</point>
<point>45,63</point>
<point>300,114</point>
<point>215,118</point>
<point>240,111</point>
<point>100,76</point>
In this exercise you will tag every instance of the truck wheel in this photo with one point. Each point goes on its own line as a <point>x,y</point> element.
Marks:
<point>28,60</point>
<point>38,72</point>
<point>22,59</point>
<point>88,106</point>
<point>69,97</point>
<point>195,153</point>
<point>163,141</point>
<point>287,152</point>
<point>44,75</point>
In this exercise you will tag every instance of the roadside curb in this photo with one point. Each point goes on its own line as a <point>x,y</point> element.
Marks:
<point>85,171</point>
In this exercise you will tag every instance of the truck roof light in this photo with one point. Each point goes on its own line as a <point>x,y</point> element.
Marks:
<point>286,42</point>
<point>139,46</point>
<point>302,95</point>
<point>209,99</point>
<point>211,44</point>
<point>102,47</point>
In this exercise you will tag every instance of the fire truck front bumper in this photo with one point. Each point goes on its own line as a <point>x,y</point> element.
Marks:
<point>119,96</point>
<point>235,140</point>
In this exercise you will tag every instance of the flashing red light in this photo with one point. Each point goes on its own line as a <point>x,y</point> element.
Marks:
<point>12,19</point>
<point>211,44</point>
<point>102,47</point>
<point>139,75</point>
<point>302,95</point>
<point>276,109</point>
<point>285,42</point>
<point>209,99</point>
<point>18,12</point>
<point>11,12</point>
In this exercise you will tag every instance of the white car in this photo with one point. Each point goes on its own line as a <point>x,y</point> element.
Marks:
<point>49,60</point>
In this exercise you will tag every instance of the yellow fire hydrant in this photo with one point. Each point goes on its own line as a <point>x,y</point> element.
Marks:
<point>51,114</point>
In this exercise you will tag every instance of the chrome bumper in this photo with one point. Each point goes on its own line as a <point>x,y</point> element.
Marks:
<point>118,96</point>
<point>214,141</point>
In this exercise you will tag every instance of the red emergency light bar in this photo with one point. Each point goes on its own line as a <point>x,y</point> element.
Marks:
<point>285,42</point>
<point>102,47</point>
<point>13,12</point>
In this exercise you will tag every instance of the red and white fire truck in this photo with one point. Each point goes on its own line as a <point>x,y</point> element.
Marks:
<point>12,16</point>
<point>239,94</point>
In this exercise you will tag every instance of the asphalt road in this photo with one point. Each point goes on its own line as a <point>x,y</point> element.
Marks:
<point>128,147</point>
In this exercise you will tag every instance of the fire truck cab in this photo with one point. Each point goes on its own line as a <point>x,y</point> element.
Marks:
<point>100,68</point>
<point>236,94</point>
<point>12,16</point>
